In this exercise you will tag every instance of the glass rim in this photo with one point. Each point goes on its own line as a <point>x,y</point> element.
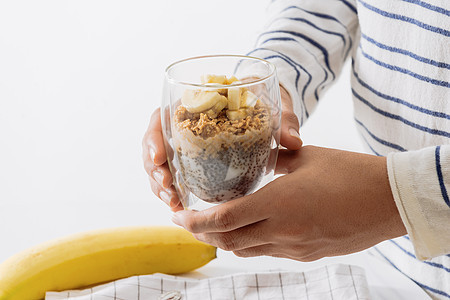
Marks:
<point>242,84</point>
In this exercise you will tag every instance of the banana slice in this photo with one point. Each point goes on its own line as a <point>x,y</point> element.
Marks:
<point>248,99</point>
<point>234,98</point>
<point>237,114</point>
<point>211,113</point>
<point>212,85</point>
<point>232,79</point>
<point>220,79</point>
<point>216,109</point>
<point>199,101</point>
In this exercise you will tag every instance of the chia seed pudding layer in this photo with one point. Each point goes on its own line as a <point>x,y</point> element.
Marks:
<point>222,159</point>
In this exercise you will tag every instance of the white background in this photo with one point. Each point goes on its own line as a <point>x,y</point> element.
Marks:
<point>78,82</point>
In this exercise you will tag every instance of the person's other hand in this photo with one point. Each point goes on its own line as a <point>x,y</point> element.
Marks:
<point>155,157</point>
<point>331,202</point>
<point>155,163</point>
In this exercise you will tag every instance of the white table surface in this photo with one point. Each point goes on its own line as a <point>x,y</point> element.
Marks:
<point>78,81</point>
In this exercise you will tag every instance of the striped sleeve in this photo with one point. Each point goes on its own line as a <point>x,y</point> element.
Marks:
<point>308,41</point>
<point>420,182</point>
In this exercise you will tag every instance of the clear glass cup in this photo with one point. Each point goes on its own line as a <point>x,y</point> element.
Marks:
<point>221,132</point>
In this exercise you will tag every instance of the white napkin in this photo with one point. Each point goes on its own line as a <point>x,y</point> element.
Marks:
<point>334,282</point>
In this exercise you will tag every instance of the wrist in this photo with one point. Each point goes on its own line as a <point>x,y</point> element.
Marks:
<point>394,226</point>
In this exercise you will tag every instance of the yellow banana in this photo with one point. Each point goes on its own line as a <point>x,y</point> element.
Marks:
<point>100,256</point>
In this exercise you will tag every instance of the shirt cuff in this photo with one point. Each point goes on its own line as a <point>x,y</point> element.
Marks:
<point>404,185</point>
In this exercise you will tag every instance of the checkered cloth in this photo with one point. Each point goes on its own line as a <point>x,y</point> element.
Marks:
<point>330,282</point>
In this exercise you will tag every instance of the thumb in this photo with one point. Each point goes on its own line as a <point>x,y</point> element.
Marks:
<point>290,137</point>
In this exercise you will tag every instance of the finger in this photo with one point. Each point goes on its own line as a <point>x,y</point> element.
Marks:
<point>156,189</point>
<point>279,255</point>
<point>283,255</point>
<point>153,142</point>
<point>241,238</point>
<point>304,258</point>
<point>227,216</point>
<point>267,249</point>
<point>168,196</point>
<point>288,161</point>
<point>175,202</point>
<point>176,205</point>
<point>290,137</point>
<point>161,174</point>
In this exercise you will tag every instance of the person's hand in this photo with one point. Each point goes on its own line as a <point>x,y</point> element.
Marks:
<point>155,163</point>
<point>155,158</point>
<point>331,203</point>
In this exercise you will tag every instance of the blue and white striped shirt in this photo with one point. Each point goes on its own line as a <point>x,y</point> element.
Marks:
<point>400,53</point>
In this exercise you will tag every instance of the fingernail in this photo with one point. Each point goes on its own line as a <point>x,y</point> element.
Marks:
<point>176,219</point>
<point>294,133</point>
<point>152,154</point>
<point>159,178</point>
<point>165,197</point>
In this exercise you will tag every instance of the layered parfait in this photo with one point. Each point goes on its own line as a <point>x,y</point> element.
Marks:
<point>222,138</point>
